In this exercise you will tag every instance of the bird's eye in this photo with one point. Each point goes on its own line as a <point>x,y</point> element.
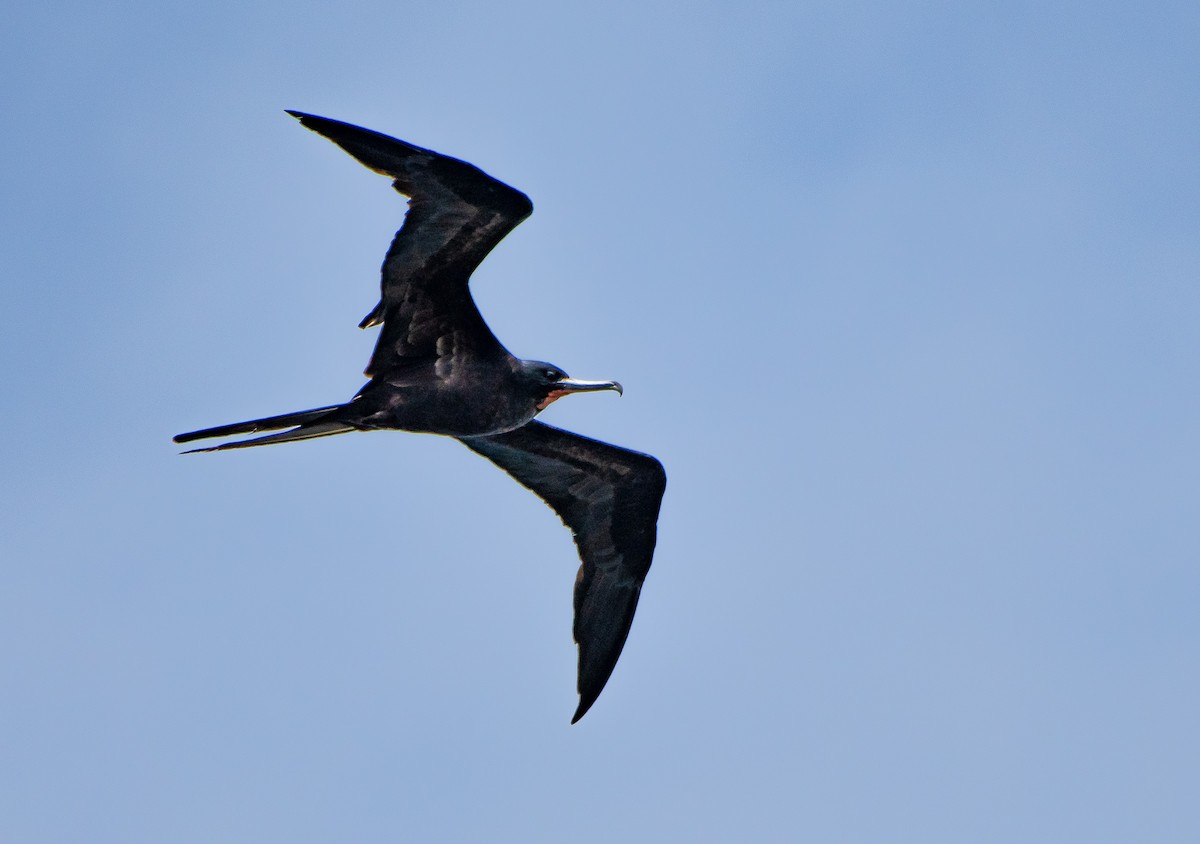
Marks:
<point>552,374</point>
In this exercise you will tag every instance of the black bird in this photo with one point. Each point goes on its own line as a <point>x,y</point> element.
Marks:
<point>437,368</point>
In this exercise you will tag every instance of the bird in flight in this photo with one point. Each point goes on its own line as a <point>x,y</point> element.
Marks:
<point>437,368</point>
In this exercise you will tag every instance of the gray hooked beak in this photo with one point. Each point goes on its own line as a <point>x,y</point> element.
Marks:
<point>575,385</point>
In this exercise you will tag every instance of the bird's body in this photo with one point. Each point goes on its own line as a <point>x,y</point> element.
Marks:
<point>479,397</point>
<point>437,368</point>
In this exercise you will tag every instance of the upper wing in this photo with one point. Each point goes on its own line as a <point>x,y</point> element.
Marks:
<point>457,214</point>
<point>609,497</point>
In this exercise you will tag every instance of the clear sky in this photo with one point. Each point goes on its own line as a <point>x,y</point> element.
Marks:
<point>905,296</point>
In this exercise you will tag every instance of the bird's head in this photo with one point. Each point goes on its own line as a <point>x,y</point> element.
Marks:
<point>546,383</point>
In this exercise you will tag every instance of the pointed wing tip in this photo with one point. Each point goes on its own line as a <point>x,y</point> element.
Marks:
<point>589,687</point>
<point>312,122</point>
<point>581,710</point>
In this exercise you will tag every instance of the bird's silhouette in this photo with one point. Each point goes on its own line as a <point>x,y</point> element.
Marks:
<point>437,368</point>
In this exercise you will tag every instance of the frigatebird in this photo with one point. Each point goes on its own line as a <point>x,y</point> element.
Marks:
<point>437,368</point>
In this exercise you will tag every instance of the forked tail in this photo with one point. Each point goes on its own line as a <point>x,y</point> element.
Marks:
<point>305,425</point>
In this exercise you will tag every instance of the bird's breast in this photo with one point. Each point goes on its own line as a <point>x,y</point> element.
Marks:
<point>457,408</point>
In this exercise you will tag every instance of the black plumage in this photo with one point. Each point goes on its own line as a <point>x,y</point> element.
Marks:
<point>437,368</point>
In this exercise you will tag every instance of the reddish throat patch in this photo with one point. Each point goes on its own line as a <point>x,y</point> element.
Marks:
<point>554,396</point>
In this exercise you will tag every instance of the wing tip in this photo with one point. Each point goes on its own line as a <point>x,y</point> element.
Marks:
<point>582,709</point>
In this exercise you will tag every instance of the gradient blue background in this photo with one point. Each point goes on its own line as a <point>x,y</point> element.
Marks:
<point>906,297</point>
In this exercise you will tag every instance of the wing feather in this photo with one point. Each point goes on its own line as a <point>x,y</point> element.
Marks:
<point>609,497</point>
<point>457,214</point>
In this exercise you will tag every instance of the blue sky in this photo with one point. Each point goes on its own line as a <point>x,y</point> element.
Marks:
<point>906,297</point>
